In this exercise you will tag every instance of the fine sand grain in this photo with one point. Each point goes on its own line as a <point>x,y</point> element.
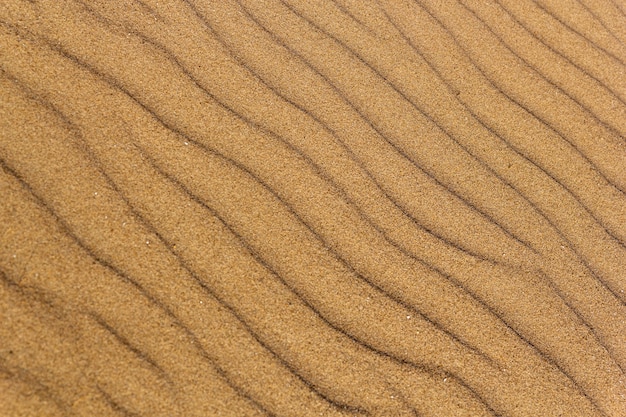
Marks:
<point>313,208</point>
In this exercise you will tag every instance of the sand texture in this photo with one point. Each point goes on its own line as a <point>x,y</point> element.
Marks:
<point>313,208</point>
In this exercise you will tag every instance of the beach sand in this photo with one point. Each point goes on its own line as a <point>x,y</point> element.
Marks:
<point>313,208</point>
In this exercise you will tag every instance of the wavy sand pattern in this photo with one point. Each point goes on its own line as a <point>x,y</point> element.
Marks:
<point>305,208</point>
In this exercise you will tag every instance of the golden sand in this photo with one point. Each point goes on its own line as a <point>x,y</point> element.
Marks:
<point>313,208</point>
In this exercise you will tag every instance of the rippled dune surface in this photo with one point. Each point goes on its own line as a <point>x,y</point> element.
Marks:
<point>305,208</point>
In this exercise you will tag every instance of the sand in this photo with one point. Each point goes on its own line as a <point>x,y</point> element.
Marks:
<point>313,208</point>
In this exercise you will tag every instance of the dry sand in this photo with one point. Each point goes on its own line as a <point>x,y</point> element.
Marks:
<point>305,208</point>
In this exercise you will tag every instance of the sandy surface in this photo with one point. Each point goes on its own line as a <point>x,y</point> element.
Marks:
<point>305,208</point>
